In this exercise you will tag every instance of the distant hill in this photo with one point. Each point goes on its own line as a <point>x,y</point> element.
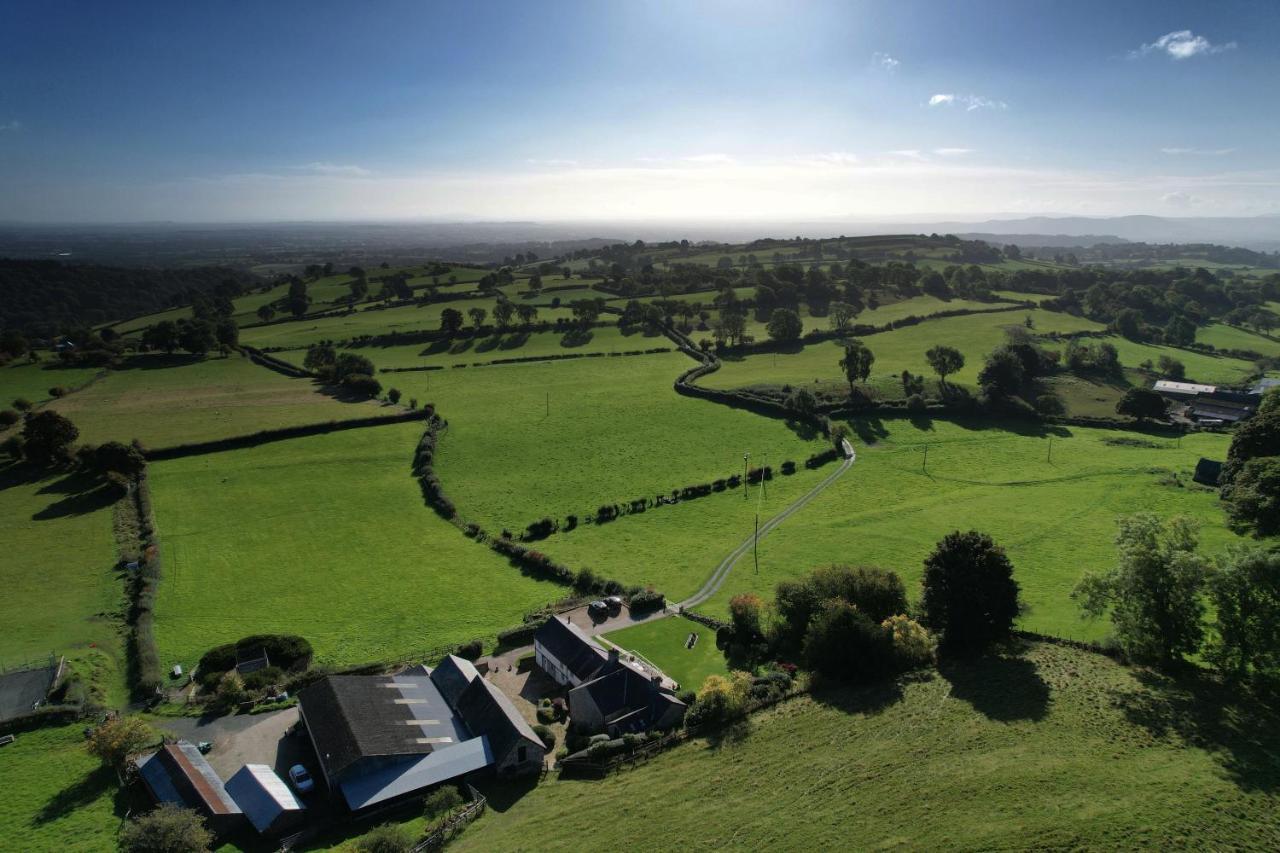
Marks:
<point>1046,240</point>
<point>1260,233</point>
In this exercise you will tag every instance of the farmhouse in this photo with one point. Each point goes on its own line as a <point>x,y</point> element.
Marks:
<point>177,773</point>
<point>566,654</point>
<point>621,699</point>
<point>379,738</point>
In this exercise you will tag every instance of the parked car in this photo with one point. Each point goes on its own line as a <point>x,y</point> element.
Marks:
<point>301,779</point>
<point>598,610</point>
<point>615,604</point>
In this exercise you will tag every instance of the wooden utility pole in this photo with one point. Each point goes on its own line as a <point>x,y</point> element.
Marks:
<point>924,466</point>
<point>755,545</point>
<point>1049,458</point>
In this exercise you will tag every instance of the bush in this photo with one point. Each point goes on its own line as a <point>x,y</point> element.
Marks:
<point>167,829</point>
<point>9,417</point>
<point>387,838</point>
<point>545,735</point>
<point>472,650</point>
<point>58,391</point>
<point>916,403</point>
<point>646,601</point>
<point>912,645</point>
<point>264,678</point>
<point>441,802</point>
<point>843,642</point>
<point>970,596</point>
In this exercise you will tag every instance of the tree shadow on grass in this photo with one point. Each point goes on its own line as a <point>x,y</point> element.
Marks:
<point>20,474</point>
<point>869,429</point>
<point>576,338</point>
<point>733,734</point>
<point>866,699</point>
<point>436,347</point>
<point>461,346</point>
<point>81,503</point>
<point>515,340</point>
<point>77,795</point>
<point>802,429</point>
<point>1233,724</point>
<point>72,483</point>
<point>502,795</point>
<point>341,393</point>
<point>490,343</point>
<point>1001,688</point>
<point>157,361</point>
<point>921,421</point>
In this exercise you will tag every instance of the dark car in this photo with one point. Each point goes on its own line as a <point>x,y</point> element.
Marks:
<point>614,603</point>
<point>598,610</point>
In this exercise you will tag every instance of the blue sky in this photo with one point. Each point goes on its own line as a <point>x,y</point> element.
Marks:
<point>636,110</point>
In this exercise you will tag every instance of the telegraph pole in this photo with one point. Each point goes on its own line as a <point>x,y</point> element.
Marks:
<point>745,457</point>
<point>924,466</point>
<point>1049,458</point>
<point>755,545</point>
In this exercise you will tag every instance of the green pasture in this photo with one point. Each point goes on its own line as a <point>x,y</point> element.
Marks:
<point>1055,749</point>
<point>883,314</point>
<point>57,796</point>
<point>555,438</point>
<point>1201,367</point>
<point>163,400</point>
<point>1019,296</point>
<point>327,537</point>
<point>33,381</point>
<point>975,335</point>
<point>470,350</point>
<point>1222,336</point>
<point>1049,495</point>
<point>62,591</point>
<point>662,643</point>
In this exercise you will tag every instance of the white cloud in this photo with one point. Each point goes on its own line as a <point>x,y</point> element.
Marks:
<point>885,61</point>
<point>710,159</point>
<point>1179,199</point>
<point>952,152</point>
<point>1181,44</point>
<point>969,102</point>
<point>829,158</point>
<point>908,153</point>
<point>322,168</point>
<point>1203,152</point>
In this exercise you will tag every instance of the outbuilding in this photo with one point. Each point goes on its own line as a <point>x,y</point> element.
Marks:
<point>265,799</point>
<point>177,773</point>
<point>567,654</point>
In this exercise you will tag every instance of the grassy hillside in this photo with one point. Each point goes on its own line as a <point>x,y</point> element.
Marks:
<point>326,537</point>
<point>62,593</point>
<point>1057,749</point>
<point>468,350</point>
<point>162,401</point>
<point>1223,336</point>
<point>33,381</point>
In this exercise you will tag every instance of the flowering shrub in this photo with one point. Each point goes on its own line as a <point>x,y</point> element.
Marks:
<point>912,644</point>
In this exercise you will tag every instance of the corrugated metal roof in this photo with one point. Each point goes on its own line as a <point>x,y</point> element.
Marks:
<point>1184,387</point>
<point>393,778</point>
<point>262,795</point>
<point>178,773</point>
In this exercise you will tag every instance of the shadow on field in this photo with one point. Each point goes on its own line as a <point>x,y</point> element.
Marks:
<point>576,338</point>
<point>77,795</point>
<point>803,429</point>
<point>157,361</point>
<point>731,735</point>
<point>869,429</point>
<point>1000,688</point>
<point>80,504</point>
<point>502,795</point>
<point>515,340</point>
<point>341,393</point>
<point>19,474</point>
<point>1236,726</point>
<point>490,343</point>
<point>869,699</point>
<point>436,347</point>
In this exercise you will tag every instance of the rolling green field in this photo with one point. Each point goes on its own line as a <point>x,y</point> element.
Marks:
<point>33,381</point>
<point>553,438</point>
<point>62,594</point>
<point>1057,749</point>
<point>662,643</point>
<point>162,401</point>
<point>882,314</point>
<point>1055,516</point>
<point>469,350</point>
<point>326,537</point>
<point>1223,336</point>
<point>57,797</point>
<point>974,335</point>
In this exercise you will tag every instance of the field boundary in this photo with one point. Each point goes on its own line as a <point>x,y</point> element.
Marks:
<point>267,436</point>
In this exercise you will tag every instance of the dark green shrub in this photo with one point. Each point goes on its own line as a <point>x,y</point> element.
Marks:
<point>471,650</point>
<point>9,417</point>
<point>545,735</point>
<point>387,838</point>
<point>441,802</point>
<point>646,601</point>
<point>843,642</point>
<point>263,678</point>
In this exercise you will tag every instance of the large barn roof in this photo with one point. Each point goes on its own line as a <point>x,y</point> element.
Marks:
<point>580,654</point>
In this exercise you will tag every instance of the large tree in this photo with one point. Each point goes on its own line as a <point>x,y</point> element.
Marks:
<point>1245,590</point>
<point>784,325</point>
<point>1154,590</point>
<point>450,321</point>
<point>1253,496</point>
<point>970,597</point>
<point>1141,403</point>
<point>118,738</point>
<point>944,361</point>
<point>841,315</point>
<point>47,436</point>
<point>167,829</point>
<point>1258,436</point>
<point>857,362</point>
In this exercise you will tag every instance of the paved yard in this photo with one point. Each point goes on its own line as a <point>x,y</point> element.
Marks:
<point>247,739</point>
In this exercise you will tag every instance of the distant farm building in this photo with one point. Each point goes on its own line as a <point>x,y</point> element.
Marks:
<point>380,738</point>
<point>1182,390</point>
<point>1262,386</point>
<point>1214,410</point>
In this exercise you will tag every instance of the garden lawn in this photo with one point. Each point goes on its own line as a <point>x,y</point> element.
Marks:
<point>33,381</point>
<point>162,400</point>
<point>57,797</point>
<point>1056,518</point>
<point>662,643</point>
<point>527,441</point>
<point>818,365</point>
<point>327,537</point>
<point>1059,749</point>
<point>62,594</point>
<point>469,351</point>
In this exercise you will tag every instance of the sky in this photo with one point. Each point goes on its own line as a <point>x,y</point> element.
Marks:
<point>609,110</point>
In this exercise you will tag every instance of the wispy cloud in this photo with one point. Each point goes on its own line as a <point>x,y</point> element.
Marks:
<point>884,61</point>
<point>323,168</point>
<point>909,153</point>
<point>828,158</point>
<point>952,152</point>
<point>1181,44</point>
<point>1180,199</point>
<point>969,102</point>
<point>1200,152</point>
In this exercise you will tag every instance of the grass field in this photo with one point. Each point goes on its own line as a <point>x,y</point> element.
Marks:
<point>164,400</point>
<point>882,314</point>
<point>1056,518</point>
<point>326,537</point>
<point>33,381</point>
<point>61,591</point>
<point>975,335</point>
<point>553,438</point>
<point>1057,749</point>
<point>1223,336</point>
<point>662,643</point>
<point>57,797</point>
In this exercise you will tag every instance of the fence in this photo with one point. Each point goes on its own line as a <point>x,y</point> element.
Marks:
<point>454,824</point>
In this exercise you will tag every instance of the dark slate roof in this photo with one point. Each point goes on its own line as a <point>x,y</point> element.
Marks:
<point>351,717</point>
<point>1223,409</point>
<point>452,676</point>
<point>489,712</point>
<point>177,773</point>
<point>628,697</point>
<point>262,795</point>
<point>1208,471</point>
<point>565,641</point>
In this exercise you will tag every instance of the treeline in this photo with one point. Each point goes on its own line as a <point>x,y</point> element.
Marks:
<point>42,299</point>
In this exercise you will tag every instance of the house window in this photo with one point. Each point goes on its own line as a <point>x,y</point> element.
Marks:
<point>522,755</point>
